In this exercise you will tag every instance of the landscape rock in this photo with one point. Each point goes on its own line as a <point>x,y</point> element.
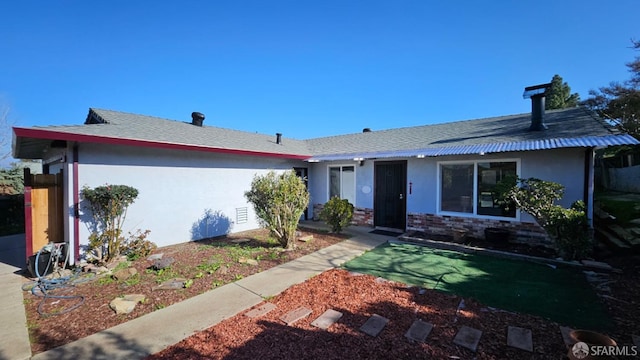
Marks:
<point>306,238</point>
<point>222,270</point>
<point>155,257</point>
<point>173,284</point>
<point>163,263</point>
<point>244,260</point>
<point>122,306</point>
<point>138,298</point>
<point>124,274</point>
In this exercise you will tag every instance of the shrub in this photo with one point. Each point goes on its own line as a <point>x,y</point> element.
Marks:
<point>136,245</point>
<point>569,228</point>
<point>337,213</point>
<point>108,205</point>
<point>279,200</point>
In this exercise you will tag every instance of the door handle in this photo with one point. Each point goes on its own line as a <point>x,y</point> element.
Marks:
<point>401,197</point>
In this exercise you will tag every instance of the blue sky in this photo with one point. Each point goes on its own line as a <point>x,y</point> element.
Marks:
<point>304,68</point>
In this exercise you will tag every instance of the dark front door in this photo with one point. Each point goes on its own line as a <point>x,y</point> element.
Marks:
<point>390,201</point>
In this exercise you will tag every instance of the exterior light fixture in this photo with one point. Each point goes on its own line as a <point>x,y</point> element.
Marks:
<point>420,156</point>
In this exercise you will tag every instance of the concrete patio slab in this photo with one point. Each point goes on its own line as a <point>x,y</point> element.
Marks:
<point>419,331</point>
<point>374,325</point>
<point>293,316</point>
<point>520,338</point>
<point>327,319</point>
<point>468,337</point>
<point>260,310</point>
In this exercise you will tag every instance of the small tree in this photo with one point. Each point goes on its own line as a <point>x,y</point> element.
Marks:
<point>279,200</point>
<point>569,228</point>
<point>559,96</point>
<point>337,213</point>
<point>108,205</point>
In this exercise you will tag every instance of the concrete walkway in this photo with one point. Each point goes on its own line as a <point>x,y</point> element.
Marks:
<point>160,329</point>
<point>14,338</point>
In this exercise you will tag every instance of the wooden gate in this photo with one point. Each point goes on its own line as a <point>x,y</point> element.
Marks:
<point>43,210</point>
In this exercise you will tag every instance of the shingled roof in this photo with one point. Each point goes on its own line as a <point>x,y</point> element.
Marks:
<point>575,127</point>
<point>115,127</point>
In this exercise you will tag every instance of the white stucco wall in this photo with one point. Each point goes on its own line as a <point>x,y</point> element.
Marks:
<point>319,182</point>
<point>183,195</point>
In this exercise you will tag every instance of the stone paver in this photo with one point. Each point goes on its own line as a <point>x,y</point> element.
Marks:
<point>327,319</point>
<point>419,331</point>
<point>468,337</point>
<point>374,325</point>
<point>564,331</point>
<point>260,310</point>
<point>519,338</point>
<point>295,315</point>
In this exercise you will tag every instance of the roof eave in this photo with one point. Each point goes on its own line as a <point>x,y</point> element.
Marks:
<point>44,134</point>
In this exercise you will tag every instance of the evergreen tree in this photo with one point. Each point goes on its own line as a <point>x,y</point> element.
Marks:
<point>559,96</point>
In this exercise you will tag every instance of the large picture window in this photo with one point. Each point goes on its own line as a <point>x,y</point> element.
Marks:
<point>342,183</point>
<point>469,187</point>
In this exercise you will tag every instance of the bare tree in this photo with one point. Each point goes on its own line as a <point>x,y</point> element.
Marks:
<point>5,130</point>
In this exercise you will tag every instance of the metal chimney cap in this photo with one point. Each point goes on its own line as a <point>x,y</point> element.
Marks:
<point>531,91</point>
<point>197,118</point>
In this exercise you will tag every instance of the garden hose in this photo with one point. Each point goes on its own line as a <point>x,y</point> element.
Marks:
<point>45,287</point>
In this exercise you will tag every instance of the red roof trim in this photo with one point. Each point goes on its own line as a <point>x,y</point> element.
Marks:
<point>59,135</point>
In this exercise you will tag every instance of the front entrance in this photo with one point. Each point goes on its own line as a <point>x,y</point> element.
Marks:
<point>390,199</point>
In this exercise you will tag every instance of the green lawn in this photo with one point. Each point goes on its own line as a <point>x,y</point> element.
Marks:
<point>562,294</point>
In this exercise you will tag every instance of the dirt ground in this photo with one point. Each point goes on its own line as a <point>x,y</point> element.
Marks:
<point>209,264</point>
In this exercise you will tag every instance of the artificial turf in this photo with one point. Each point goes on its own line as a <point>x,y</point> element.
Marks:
<point>560,294</point>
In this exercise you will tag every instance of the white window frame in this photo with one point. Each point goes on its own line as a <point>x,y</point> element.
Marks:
<point>355,182</point>
<point>473,214</point>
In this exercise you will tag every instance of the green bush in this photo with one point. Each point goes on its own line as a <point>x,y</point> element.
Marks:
<point>568,227</point>
<point>279,200</point>
<point>108,205</point>
<point>337,213</point>
<point>137,245</point>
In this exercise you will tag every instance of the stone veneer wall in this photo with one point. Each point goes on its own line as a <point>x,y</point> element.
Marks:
<point>522,232</point>
<point>361,216</point>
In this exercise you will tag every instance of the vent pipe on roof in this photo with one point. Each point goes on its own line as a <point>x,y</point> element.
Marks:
<point>197,118</point>
<point>366,130</point>
<point>536,93</point>
<point>279,138</point>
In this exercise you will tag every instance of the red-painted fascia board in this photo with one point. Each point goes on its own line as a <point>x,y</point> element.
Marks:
<point>59,135</point>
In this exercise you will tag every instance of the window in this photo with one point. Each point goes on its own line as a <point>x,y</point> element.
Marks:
<point>462,182</point>
<point>342,182</point>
